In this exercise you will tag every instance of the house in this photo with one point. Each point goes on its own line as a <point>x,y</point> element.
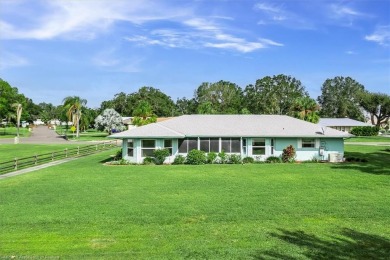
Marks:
<point>257,136</point>
<point>342,124</point>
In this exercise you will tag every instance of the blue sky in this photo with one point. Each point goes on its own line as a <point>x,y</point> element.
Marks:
<point>50,49</point>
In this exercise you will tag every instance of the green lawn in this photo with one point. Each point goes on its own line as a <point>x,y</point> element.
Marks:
<point>84,209</point>
<point>11,132</point>
<point>369,139</point>
<point>11,151</point>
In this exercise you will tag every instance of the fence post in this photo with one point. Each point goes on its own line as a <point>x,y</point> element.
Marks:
<point>78,150</point>
<point>36,159</point>
<point>66,152</point>
<point>16,163</point>
<point>52,156</point>
<point>96,147</point>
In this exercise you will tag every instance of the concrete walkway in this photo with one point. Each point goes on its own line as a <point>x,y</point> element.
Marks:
<point>39,135</point>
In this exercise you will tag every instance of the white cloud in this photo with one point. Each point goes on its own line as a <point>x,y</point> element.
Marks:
<point>381,35</point>
<point>9,60</point>
<point>280,15</point>
<point>85,19</point>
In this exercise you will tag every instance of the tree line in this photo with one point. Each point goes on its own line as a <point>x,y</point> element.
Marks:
<point>278,94</point>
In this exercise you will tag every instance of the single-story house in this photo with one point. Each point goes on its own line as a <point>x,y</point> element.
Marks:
<point>257,136</point>
<point>342,124</point>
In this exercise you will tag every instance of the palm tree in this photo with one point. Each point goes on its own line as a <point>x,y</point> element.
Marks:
<point>19,109</point>
<point>73,106</point>
<point>143,114</point>
<point>306,109</point>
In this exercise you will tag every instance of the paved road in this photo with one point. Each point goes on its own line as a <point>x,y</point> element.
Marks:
<point>39,135</point>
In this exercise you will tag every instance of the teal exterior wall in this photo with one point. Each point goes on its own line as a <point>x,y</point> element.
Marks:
<point>326,146</point>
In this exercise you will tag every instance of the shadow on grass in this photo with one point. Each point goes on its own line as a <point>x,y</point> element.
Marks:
<point>350,244</point>
<point>377,163</point>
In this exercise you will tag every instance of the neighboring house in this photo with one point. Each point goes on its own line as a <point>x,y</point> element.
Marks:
<point>38,122</point>
<point>128,121</point>
<point>257,136</point>
<point>342,124</point>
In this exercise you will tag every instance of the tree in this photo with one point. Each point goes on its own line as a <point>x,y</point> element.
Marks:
<point>9,96</point>
<point>108,121</point>
<point>378,105</point>
<point>340,98</point>
<point>186,106</point>
<point>306,109</point>
<point>19,109</point>
<point>73,106</point>
<point>222,97</point>
<point>274,95</point>
<point>143,114</point>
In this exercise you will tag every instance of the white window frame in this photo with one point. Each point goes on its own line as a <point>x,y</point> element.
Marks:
<point>316,142</point>
<point>147,148</point>
<point>254,140</point>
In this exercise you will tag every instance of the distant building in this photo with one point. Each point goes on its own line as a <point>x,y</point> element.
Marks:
<point>342,124</point>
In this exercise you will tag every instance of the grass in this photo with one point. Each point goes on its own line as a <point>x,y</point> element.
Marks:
<point>88,135</point>
<point>10,151</point>
<point>368,139</point>
<point>11,132</point>
<point>84,209</point>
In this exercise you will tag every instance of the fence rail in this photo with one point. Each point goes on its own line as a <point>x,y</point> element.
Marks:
<point>25,162</point>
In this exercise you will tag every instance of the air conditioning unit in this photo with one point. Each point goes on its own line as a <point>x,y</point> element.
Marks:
<point>335,157</point>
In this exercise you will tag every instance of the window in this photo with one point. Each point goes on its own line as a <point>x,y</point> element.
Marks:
<point>188,144</point>
<point>209,145</point>
<point>168,145</point>
<point>308,143</point>
<point>130,148</point>
<point>272,146</point>
<point>258,146</point>
<point>244,146</point>
<point>148,146</point>
<point>231,145</point>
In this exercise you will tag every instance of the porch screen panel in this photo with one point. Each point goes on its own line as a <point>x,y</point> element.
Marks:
<point>214,145</point>
<point>225,142</point>
<point>205,144</point>
<point>235,145</point>
<point>183,143</point>
<point>192,144</point>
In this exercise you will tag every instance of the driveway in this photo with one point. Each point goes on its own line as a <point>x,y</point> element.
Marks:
<point>39,135</point>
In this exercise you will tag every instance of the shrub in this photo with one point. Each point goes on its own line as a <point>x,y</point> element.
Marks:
<point>288,154</point>
<point>273,159</point>
<point>180,159</point>
<point>196,157</point>
<point>149,161</point>
<point>160,155</point>
<point>234,159</point>
<point>248,160</point>
<point>365,131</point>
<point>118,155</point>
<point>222,157</point>
<point>211,157</point>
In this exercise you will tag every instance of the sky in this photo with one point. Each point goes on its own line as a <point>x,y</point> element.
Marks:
<point>94,49</point>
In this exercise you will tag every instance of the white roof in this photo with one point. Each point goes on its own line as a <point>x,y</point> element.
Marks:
<point>341,122</point>
<point>231,126</point>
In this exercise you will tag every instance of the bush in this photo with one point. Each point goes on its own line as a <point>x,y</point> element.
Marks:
<point>118,155</point>
<point>222,157</point>
<point>211,157</point>
<point>160,155</point>
<point>288,154</point>
<point>234,159</point>
<point>196,157</point>
<point>248,160</point>
<point>180,159</point>
<point>273,159</point>
<point>365,131</point>
<point>149,161</point>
